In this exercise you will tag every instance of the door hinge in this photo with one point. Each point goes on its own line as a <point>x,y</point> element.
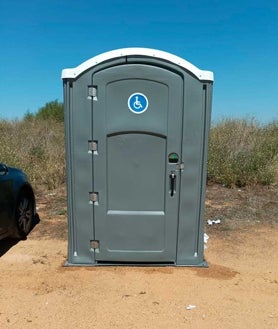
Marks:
<point>93,197</point>
<point>94,244</point>
<point>180,166</point>
<point>92,147</point>
<point>92,93</point>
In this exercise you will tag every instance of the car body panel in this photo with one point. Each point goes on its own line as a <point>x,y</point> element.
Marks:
<point>12,182</point>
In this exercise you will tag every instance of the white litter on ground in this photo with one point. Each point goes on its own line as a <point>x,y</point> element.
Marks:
<point>206,237</point>
<point>214,221</point>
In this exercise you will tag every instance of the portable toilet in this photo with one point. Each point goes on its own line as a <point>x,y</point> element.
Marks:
<point>137,123</point>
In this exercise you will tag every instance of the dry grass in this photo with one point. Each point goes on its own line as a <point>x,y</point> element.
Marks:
<point>241,152</point>
<point>37,147</point>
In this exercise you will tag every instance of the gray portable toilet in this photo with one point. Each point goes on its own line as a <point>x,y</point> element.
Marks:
<point>137,123</point>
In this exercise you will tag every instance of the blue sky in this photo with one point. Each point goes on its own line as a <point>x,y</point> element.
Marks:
<point>237,40</point>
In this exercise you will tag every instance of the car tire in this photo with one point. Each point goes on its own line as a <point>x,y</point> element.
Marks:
<point>24,213</point>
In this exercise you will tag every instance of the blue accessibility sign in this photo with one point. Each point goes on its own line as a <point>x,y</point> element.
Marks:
<point>138,103</point>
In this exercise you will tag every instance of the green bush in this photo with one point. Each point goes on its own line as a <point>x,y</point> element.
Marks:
<point>242,152</point>
<point>50,111</point>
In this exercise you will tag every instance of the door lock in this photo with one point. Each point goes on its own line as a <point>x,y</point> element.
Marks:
<point>173,158</point>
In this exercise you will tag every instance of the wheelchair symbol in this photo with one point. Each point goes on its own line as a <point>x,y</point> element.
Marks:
<point>138,103</point>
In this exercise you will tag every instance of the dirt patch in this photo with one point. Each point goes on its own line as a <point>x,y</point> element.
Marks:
<point>238,290</point>
<point>218,272</point>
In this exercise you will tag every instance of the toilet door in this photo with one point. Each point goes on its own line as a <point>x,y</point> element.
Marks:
<point>137,126</point>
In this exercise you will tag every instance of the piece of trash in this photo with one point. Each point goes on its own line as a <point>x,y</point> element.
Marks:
<point>214,221</point>
<point>206,237</point>
<point>190,307</point>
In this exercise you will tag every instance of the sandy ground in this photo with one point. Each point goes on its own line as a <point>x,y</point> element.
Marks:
<point>238,290</point>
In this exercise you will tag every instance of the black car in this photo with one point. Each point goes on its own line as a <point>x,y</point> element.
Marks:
<point>17,203</point>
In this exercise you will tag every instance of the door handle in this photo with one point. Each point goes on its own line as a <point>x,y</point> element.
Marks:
<point>172,177</point>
